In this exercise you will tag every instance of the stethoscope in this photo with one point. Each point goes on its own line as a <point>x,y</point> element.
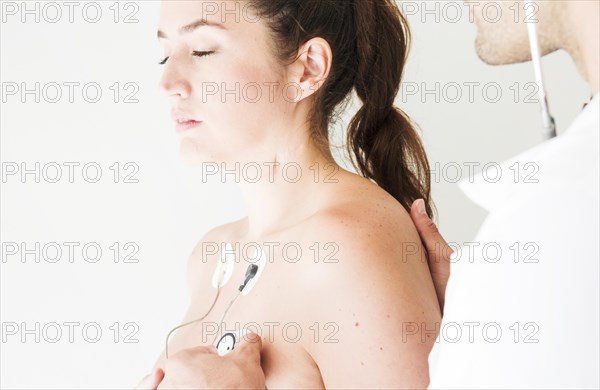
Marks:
<point>549,126</point>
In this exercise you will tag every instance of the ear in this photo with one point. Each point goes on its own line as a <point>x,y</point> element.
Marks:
<point>310,70</point>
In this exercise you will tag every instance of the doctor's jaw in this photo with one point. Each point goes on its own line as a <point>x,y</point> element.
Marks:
<point>502,28</point>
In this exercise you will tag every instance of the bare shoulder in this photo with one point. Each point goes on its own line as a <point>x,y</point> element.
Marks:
<point>218,235</point>
<point>375,286</point>
<point>366,215</point>
<point>376,244</point>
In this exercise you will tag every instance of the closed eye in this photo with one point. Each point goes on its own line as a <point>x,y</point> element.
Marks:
<point>202,53</point>
<point>195,53</point>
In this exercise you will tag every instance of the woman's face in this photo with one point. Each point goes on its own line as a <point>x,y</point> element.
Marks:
<point>235,87</point>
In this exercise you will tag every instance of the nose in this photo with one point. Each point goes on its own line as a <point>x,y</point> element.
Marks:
<point>172,81</point>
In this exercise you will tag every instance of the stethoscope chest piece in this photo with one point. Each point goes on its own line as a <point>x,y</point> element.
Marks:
<point>229,340</point>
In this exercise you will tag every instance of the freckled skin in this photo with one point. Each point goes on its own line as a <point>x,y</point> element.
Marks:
<point>283,295</point>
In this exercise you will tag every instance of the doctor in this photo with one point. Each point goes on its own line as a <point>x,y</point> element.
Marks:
<point>525,314</point>
<point>529,317</point>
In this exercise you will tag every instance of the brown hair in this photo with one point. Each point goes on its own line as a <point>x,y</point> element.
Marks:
<point>369,40</point>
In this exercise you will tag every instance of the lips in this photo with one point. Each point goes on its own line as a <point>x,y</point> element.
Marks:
<point>183,116</point>
<point>184,121</point>
<point>187,125</point>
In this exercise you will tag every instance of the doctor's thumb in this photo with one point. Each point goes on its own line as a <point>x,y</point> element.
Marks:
<point>435,244</point>
<point>249,347</point>
<point>438,250</point>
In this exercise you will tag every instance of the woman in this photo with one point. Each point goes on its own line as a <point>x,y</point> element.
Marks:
<point>345,298</point>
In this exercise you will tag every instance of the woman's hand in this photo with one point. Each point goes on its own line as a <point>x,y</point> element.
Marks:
<point>151,381</point>
<point>438,251</point>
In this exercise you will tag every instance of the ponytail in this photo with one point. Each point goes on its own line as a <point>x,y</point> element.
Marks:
<point>381,137</point>
<point>369,41</point>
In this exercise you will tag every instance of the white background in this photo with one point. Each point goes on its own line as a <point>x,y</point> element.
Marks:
<point>170,208</point>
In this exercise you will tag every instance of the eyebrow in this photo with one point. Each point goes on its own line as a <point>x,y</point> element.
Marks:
<point>188,28</point>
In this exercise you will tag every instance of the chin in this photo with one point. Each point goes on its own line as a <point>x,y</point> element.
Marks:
<point>191,161</point>
<point>502,53</point>
<point>191,155</point>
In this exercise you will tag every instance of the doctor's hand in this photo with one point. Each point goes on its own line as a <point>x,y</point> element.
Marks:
<point>438,250</point>
<point>202,368</point>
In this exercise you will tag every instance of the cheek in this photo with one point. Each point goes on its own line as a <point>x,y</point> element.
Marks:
<point>248,98</point>
<point>241,100</point>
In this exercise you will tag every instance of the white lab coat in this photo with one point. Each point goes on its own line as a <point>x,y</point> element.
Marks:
<point>522,302</point>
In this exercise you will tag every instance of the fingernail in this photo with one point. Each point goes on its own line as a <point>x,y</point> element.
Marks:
<point>251,337</point>
<point>421,207</point>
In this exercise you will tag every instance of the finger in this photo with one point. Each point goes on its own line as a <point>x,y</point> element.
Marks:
<point>151,381</point>
<point>438,250</point>
<point>249,348</point>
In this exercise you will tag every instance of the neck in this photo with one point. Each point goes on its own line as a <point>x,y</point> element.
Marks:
<point>582,40</point>
<point>288,188</point>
